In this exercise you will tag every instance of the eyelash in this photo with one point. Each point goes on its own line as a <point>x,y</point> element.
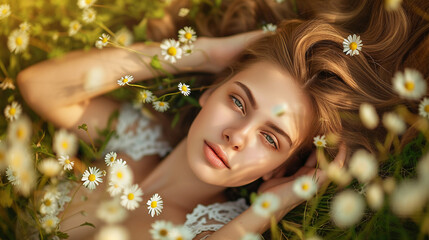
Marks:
<point>267,137</point>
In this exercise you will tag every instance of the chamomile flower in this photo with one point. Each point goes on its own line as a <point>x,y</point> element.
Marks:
<point>408,198</point>
<point>125,80</point>
<point>160,106</point>
<point>99,44</point>
<point>187,35</point>
<point>25,27</point>
<point>104,38</point>
<point>251,236</point>
<point>7,84</point>
<point>19,131</point>
<point>50,167</point>
<point>363,166</point>
<point>85,3</point>
<point>65,143</point>
<point>49,205</point>
<point>120,174</point>
<point>305,187</point>
<point>12,177</point>
<point>171,50</point>
<point>184,89</point>
<point>110,158</point>
<point>269,27</point>
<point>180,233</point>
<point>424,108</point>
<point>320,141</point>
<point>394,123</point>
<point>266,204</point>
<point>338,174</point>
<point>113,232</point>
<point>13,111</point>
<point>49,223</point>
<point>368,115</point>
<point>410,84</point>
<point>145,96</point>
<point>27,180</point>
<point>114,189</point>
<point>375,196</point>
<point>18,157</point>
<point>111,211</point>
<point>161,230</point>
<point>65,161</point>
<point>155,205</point>
<point>74,27</point>
<point>391,5</point>
<point>188,49</point>
<point>347,208</point>
<point>352,45</point>
<point>4,11</point>
<point>131,197</point>
<point>92,177</point>
<point>88,15</point>
<point>183,12</point>
<point>124,37</point>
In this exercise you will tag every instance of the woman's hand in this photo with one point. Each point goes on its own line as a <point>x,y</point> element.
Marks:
<point>283,186</point>
<point>221,52</point>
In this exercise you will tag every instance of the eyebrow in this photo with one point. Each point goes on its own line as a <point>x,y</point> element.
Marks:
<point>248,93</point>
<point>280,131</point>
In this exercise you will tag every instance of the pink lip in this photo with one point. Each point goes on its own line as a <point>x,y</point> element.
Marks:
<point>215,155</point>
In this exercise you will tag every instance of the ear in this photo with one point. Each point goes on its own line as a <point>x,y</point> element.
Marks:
<point>203,99</point>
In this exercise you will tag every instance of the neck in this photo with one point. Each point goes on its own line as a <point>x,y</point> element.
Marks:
<point>177,184</point>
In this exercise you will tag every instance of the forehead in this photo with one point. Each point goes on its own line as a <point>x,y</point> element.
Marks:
<point>278,97</point>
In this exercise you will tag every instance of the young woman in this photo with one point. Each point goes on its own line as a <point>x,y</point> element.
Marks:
<point>236,138</point>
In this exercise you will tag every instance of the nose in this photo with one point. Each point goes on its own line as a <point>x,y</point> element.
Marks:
<point>235,137</point>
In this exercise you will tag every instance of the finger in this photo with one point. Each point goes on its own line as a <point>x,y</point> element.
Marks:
<point>340,159</point>
<point>274,182</point>
<point>311,160</point>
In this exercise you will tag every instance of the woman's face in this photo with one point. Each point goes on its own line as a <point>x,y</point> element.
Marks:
<point>246,126</point>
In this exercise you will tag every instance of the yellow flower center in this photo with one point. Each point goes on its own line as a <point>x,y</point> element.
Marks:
<point>18,41</point>
<point>172,51</point>
<point>144,95</point>
<point>88,1</point>
<point>91,177</point>
<point>353,46</point>
<point>163,232</point>
<point>67,161</point>
<point>153,204</point>
<point>427,108</point>
<point>409,85</point>
<point>104,40</point>
<point>184,88</point>
<point>188,35</point>
<point>4,11</point>
<point>266,204</point>
<point>65,144</point>
<point>179,238</point>
<point>125,80</point>
<point>12,111</point>
<point>161,104</point>
<point>49,222</point>
<point>319,143</point>
<point>112,209</point>
<point>130,196</point>
<point>119,174</point>
<point>20,133</point>
<point>76,26</point>
<point>112,159</point>
<point>48,202</point>
<point>305,186</point>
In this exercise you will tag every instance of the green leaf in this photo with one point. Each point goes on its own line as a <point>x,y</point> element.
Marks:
<point>62,235</point>
<point>87,224</point>
<point>253,197</point>
<point>175,119</point>
<point>106,140</point>
<point>289,226</point>
<point>83,127</point>
<point>192,101</point>
<point>87,149</point>
<point>155,63</point>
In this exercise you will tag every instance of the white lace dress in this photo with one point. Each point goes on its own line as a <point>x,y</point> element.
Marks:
<point>138,136</point>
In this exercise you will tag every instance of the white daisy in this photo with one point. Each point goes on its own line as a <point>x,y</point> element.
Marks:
<point>19,131</point>
<point>410,84</point>
<point>180,233</point>
<point>375,196</point>
<point>25,27</point>
<point>320,141</point>
<point>161,230</point>
<point>389,185</point>
<point>170,50</point>
<point>424,108</point>
<point>187,35</point>
<point>50,167</point>
<point>338,175</point>
<point>65,161</point>
<point>49,223</point>
<point>113,232</point>
<point>120,174</point>
<point>64,143</point>
<point>352,45</point>
<point>110,158</point>
<point>49,205</point>
<point>408,198</point>
<point>114,189</point>
<point>347,208</point>
<point>269,27</point>
<point>363,166</point>
<point>111,211</point>
<point>266,204</point>
<point>88,15</point>
<point>124,37</point>
<point>11,176</point>
<point>251,236</point>
<point>4,11</point>
<point>391,5</point>
<point>145,96</point>
<point>13,111</point>
<point>155,205</point>
<point>394,123</point>
<point>27,180</point>
<point>131,197</point>
<point>160,106</point>
<point>85,3</point>
<point>188,49</point>
<point>104,39</point>
<point>125,80</point>
<point>18,157</point>
<point>74,27</point>
<point>7,84</point>
<point>184,89</point>
<point>305,187</point>
<point>99,44</point>
<point>183,12</point>
<point>92,177</point>
<point>368,115</point>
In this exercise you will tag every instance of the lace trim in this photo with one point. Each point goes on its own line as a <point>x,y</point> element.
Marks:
<point>214,216</point>
<point>137,136</point>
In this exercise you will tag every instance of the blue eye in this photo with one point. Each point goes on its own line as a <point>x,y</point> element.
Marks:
<point>237,103</point>
<point>270,140</point>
